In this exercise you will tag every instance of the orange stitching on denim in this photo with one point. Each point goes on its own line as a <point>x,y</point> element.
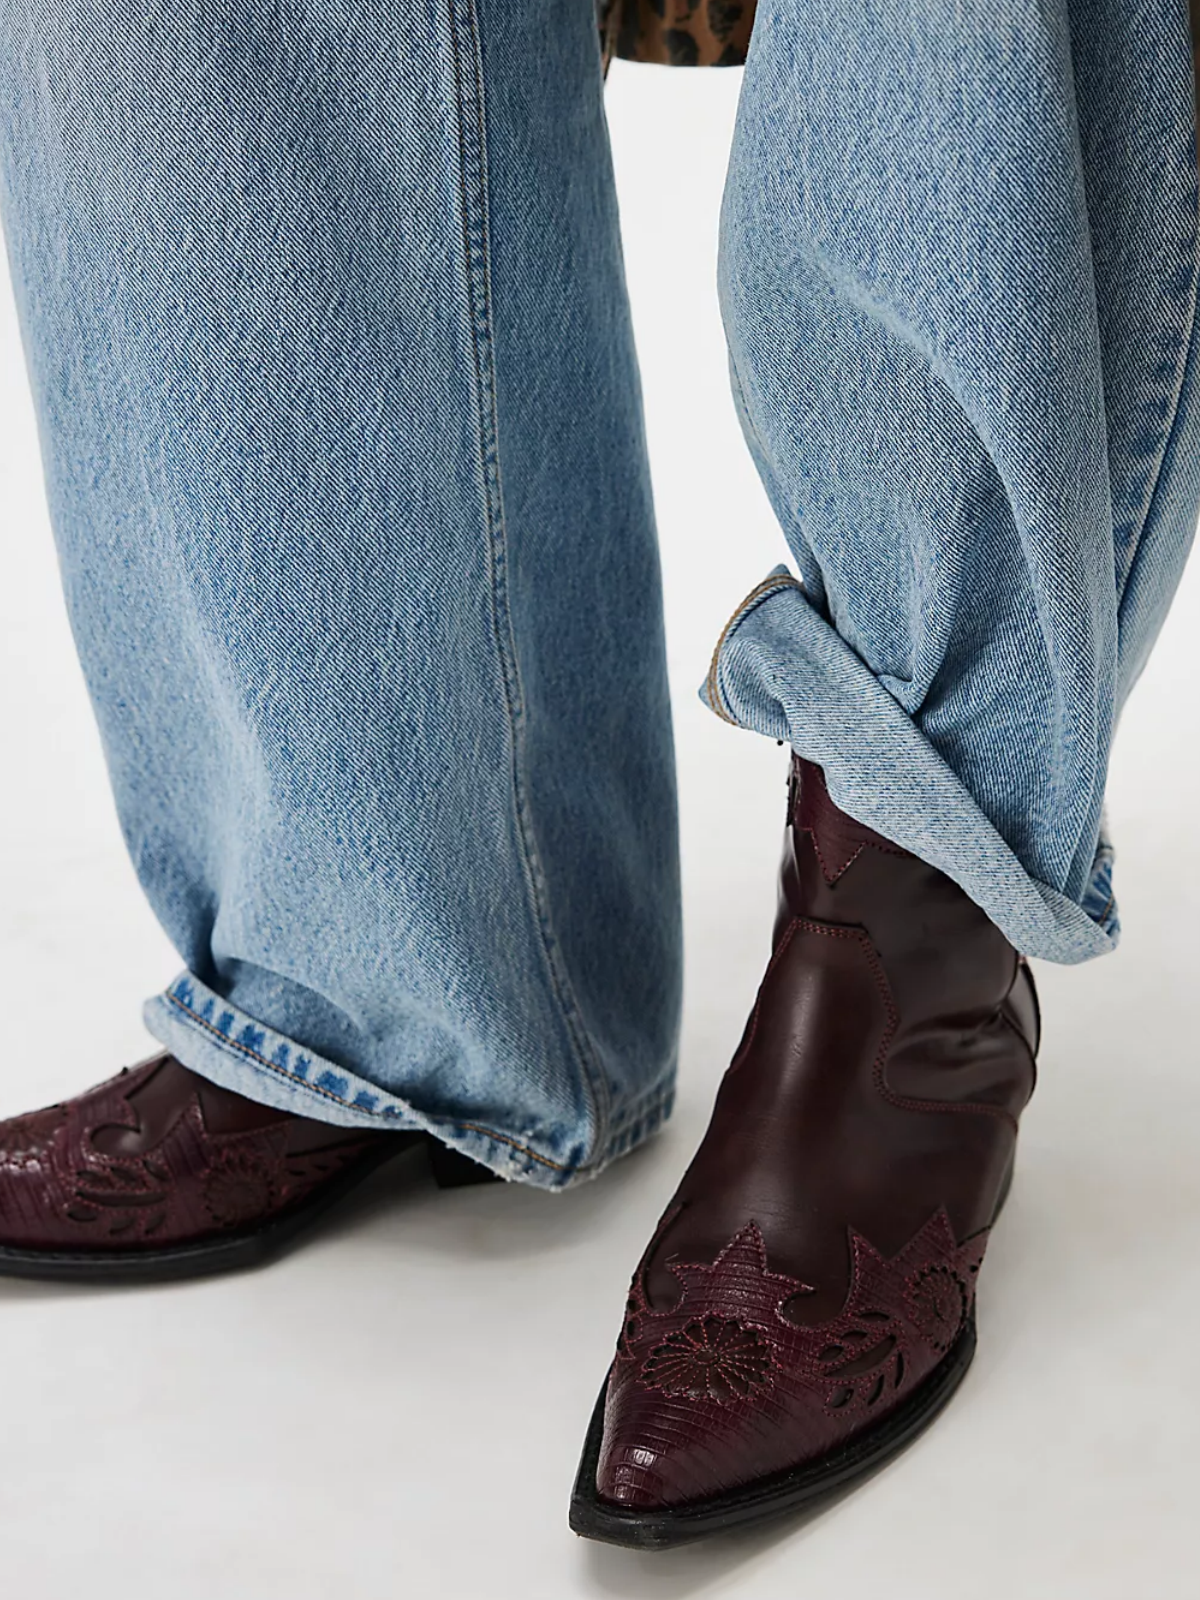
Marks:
<point>273,1066</point>
<point>503,1138</point>
<point>760,592</point>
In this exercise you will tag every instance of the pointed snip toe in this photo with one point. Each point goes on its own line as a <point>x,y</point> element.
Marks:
<point>807,1303</point>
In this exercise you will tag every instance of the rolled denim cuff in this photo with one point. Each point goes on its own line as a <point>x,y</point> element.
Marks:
<point>781,670</point>
<point>225,1045</point>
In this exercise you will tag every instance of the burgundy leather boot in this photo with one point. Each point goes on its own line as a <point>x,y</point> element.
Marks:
<point>160,1174</point>
<point>806,1304</point>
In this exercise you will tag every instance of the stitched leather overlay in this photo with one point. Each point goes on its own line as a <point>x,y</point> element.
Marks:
<point>712,1358</point>
<point>158,1156</point>
<point>819,1258</point>
<point>726,1376</point>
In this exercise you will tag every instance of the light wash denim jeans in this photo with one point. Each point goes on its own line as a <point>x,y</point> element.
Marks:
<point>327,329</point>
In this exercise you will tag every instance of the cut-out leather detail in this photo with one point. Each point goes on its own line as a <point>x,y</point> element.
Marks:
<point>723,1372</point>
<point>134,1162</point>
<point>117,1187</point>
<point>857,1363</point>
<point>839,1204</point>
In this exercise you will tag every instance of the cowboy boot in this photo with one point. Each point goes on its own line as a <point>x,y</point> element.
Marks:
<point>159,1173</point>
<point>806,1304</point>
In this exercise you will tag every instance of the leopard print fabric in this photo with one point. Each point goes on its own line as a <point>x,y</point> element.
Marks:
<point>677,33</point>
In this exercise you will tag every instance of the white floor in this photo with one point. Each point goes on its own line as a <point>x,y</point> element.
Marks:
<point>396,1409</point>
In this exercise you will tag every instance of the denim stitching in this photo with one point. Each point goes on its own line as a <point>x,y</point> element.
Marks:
<point>464,37</point>
<point>1183,357</point>
<point>273,1066</point>
<point>756,595</point>
<point>742,405</point>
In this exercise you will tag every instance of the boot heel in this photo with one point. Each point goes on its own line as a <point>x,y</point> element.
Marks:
<point>452,1170</point>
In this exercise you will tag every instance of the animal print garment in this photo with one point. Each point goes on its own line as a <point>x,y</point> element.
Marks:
<point>677,33</point>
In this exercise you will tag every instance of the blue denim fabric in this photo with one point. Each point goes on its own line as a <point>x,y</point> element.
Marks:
<point>327,330</point>
<point>344,449</point>
<point>958,277</point>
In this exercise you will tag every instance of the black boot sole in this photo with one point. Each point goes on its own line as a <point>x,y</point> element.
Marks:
<point>245,1248</point>
<point>663,1527</point>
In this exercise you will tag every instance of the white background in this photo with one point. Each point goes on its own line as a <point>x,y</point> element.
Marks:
<point>396,1409</point>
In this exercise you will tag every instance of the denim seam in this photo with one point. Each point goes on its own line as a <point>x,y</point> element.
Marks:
<point>273,1066</point>
<point>754,440</point>
<point>472,149</point>
<point>639,1104</point>
<point>751,602</point>
<point>1180,376</point>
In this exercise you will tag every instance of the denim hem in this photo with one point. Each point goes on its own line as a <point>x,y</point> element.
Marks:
<point>781,670</point>
<point>225,1045</point>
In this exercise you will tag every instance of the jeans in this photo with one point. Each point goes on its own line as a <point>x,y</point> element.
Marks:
<point>327,331</point>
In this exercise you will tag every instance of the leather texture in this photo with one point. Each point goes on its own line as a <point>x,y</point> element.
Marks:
<point>158,1156</point>
<point>820,1255</point>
